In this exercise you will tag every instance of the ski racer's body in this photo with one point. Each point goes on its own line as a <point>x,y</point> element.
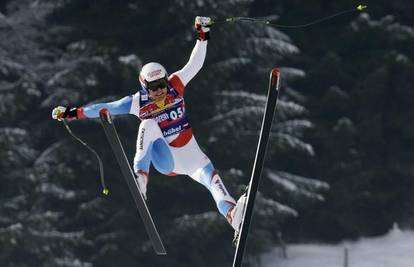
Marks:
<point>165,137</point>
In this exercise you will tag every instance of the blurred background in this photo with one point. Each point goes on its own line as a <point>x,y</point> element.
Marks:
<point>339,164</point>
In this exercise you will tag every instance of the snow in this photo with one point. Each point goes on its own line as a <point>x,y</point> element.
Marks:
<point>269,207</point>
<point>393,249</point>
<point>130,60</point>
<point>282,182</point>
<point>292,73</point>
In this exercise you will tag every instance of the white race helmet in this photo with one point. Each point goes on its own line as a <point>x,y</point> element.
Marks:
<point>151,72</point>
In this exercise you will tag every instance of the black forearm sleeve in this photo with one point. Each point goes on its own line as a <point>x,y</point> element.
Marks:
<point>70,112</point>
<point>203,36</point>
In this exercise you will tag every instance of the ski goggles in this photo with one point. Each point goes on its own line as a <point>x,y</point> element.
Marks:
<point>157,84</point>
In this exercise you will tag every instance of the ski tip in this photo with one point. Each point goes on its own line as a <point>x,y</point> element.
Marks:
<point>274,77</point>
<point>275,72</point>
<point>105,115</point>
<point>104,111</point>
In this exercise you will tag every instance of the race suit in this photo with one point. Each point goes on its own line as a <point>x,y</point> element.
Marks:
<point>165,137</point>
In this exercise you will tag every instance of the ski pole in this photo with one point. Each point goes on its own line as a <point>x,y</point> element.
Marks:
<point>359,8</point>
<point>105,190</point>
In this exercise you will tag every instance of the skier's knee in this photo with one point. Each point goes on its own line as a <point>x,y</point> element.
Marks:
<point>161,157</point>
<point>205,175</point>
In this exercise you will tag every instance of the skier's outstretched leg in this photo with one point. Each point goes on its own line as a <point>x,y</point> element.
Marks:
<point>151,147</point>
<point>224,201</point>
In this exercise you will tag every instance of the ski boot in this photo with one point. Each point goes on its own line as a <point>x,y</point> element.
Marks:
<point>142,179</point>
<point>235,216</point>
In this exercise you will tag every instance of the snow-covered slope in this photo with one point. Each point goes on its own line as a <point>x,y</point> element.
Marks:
<point>396,249</point>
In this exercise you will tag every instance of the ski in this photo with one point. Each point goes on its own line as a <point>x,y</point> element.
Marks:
<point>119,152</point>
<point>272,95</point>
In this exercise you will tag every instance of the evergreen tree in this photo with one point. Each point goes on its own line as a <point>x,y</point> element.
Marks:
<point>361,106</point>
<point>59,53</point>
<point>33,192</point>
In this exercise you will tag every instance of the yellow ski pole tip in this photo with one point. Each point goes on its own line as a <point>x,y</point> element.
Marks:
<point>361,7</point>
<point>105,191</point>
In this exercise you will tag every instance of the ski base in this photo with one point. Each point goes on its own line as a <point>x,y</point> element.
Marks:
<point>241,236</point>
<point>129,176</point>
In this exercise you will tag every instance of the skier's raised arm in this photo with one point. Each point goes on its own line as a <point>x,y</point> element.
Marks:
<point>119,107</point>
<point>182,77</point>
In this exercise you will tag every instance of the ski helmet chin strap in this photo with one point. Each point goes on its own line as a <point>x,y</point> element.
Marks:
<point>141,87</point>
<point>105,190</point>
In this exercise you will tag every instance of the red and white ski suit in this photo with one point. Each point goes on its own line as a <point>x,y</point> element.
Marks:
<point>165,137</point>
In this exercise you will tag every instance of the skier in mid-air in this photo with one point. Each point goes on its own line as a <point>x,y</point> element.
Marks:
<point>165,138</point>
